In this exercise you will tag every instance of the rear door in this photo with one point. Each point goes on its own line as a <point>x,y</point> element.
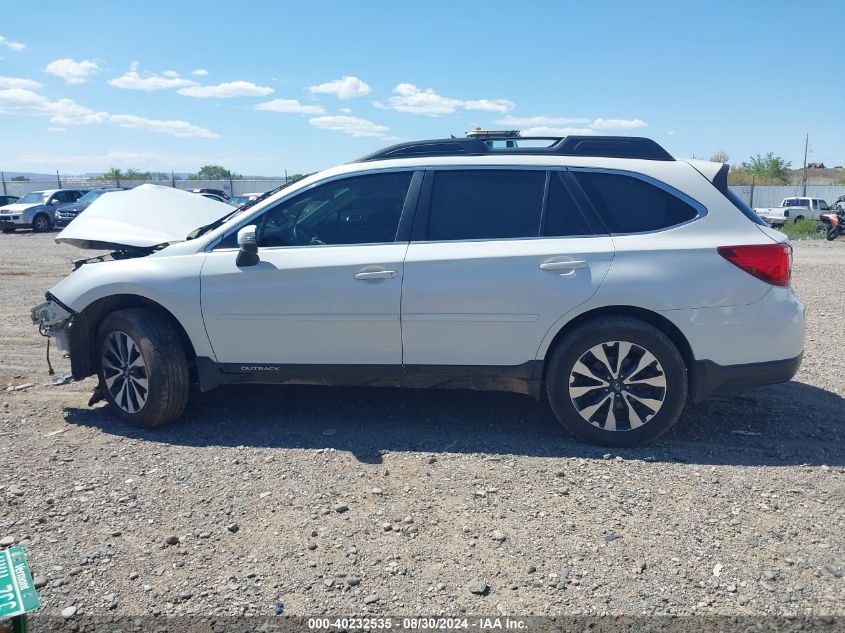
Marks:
<point>497,256</point>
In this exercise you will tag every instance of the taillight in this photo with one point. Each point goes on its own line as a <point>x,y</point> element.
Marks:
<point>771,263</point>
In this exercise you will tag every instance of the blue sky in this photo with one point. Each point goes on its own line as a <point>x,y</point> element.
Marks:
<point>265,87</point>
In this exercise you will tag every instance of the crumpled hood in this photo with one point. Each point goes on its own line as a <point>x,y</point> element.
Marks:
<point>143,217</point>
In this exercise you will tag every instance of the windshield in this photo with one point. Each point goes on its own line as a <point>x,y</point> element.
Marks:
<point>796,202</point>
<point>89,197</point>
<point>34,197</point>
<point>238,200</point>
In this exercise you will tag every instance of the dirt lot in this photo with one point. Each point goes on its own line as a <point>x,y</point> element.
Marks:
<point>352,501</point>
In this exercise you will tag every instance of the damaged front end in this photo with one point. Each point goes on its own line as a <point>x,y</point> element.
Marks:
<point>54,321</point>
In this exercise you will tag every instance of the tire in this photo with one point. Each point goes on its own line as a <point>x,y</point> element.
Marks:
<point>798,219</point>
<point>162,367</point>
<point>832,234</point>
<point>7,231</point>
<point>821,229</point>
<point>41,223</point>
<point>572,393</point>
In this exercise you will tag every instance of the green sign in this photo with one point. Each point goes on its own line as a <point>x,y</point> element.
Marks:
<point>17,591</point>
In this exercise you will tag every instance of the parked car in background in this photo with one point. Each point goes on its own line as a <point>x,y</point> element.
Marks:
<point>215,197</point>
<point>795,209</point>
<point>4,200</point>
<point>244,198</point>
<point>216,192</point>
<point>66,212</point>
<point>35,209</point>
<point>443,263</point>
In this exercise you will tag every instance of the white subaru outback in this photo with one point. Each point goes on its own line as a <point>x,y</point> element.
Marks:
<point>598,272</point>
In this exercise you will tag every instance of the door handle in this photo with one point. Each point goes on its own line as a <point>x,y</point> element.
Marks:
<point>563,265</point>
<point>376,274</point>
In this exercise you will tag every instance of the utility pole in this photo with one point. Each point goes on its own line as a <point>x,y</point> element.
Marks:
<point>3,178</point>
<point>806,145</point>
<point>753,180</point>
<point>58,180</point>
<point>172,179</point>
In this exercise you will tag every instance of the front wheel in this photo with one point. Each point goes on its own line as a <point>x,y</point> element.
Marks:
<point>41,223</point>
<point>798,219</point>
<point>143,368</point>
<point>7,231</point>
<point>833,233</point>
<point>616,381</point>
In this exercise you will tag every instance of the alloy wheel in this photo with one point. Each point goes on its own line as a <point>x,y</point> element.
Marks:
<point>125,372</point>
<point>617,386</point>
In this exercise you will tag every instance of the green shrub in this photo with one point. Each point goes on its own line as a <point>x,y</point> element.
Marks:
<point>802,230</point>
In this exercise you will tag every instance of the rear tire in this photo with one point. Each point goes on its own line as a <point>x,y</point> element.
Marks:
<point>143,367</point>
<point>41,223</point>
<point>631,396</point>
<point>798,219</point>
<point>7,231</point>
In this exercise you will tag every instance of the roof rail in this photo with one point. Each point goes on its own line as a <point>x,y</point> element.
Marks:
<point>602,146</point>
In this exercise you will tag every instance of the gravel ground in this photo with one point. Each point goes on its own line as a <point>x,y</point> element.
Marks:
<point>369,501</point>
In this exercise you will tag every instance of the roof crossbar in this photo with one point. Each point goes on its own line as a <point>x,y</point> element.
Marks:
<point>600,146</point>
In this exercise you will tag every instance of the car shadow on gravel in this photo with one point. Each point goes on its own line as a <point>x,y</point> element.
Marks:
<point>791,423</point>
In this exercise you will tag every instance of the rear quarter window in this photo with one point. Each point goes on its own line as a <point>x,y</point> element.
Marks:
<point>628,204</point>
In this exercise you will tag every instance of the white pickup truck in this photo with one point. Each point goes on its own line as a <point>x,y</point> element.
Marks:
<point>795,208</point>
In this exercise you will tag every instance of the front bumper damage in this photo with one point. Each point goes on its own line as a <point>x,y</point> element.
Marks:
<point>54,321</point>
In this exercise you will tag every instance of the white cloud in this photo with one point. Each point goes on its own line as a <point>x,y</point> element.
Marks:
<point>226,90</point>
<point>541,120</point>
<point>68,112</point>
<point>19,82</point>
<point>12,46</point>
<point>56,129</point>
<point>561,126</point>
<point>346,110</point>
<point>149,82</point>
<point>409,98</point>
<point>617,124</point>
<point>63,112</point>
<point>72,71</point>
<point>350,125</point>
<point>289,105</point>
<point>181,129</point>
<point>199,72</point>
<point>557,131</point>
<point>346,87</point>
<point>17,101</point>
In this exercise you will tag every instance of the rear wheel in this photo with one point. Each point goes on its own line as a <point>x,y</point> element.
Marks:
<point>41,223</point>
<point>616,381</point>
<point>8,230</point>
<point>143,368</point>
<point>798,219</point>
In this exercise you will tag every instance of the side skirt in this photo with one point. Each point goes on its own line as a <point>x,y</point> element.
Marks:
<point>525,378</point>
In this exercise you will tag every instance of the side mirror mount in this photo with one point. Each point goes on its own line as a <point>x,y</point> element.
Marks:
<point>248,244</point>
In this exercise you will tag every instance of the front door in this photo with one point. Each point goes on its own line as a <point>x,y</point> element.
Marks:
<point>327,288</point>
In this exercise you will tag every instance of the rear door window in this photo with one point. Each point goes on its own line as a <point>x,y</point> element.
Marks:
<point>485,204</point>
<point>563,217</point>
<point>631,205</point>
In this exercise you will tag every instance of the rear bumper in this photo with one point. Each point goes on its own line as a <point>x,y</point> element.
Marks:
<point>709,377</point>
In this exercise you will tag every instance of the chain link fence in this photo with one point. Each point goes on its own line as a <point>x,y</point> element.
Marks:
<point>754,196</point>
<point>232,187</point>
